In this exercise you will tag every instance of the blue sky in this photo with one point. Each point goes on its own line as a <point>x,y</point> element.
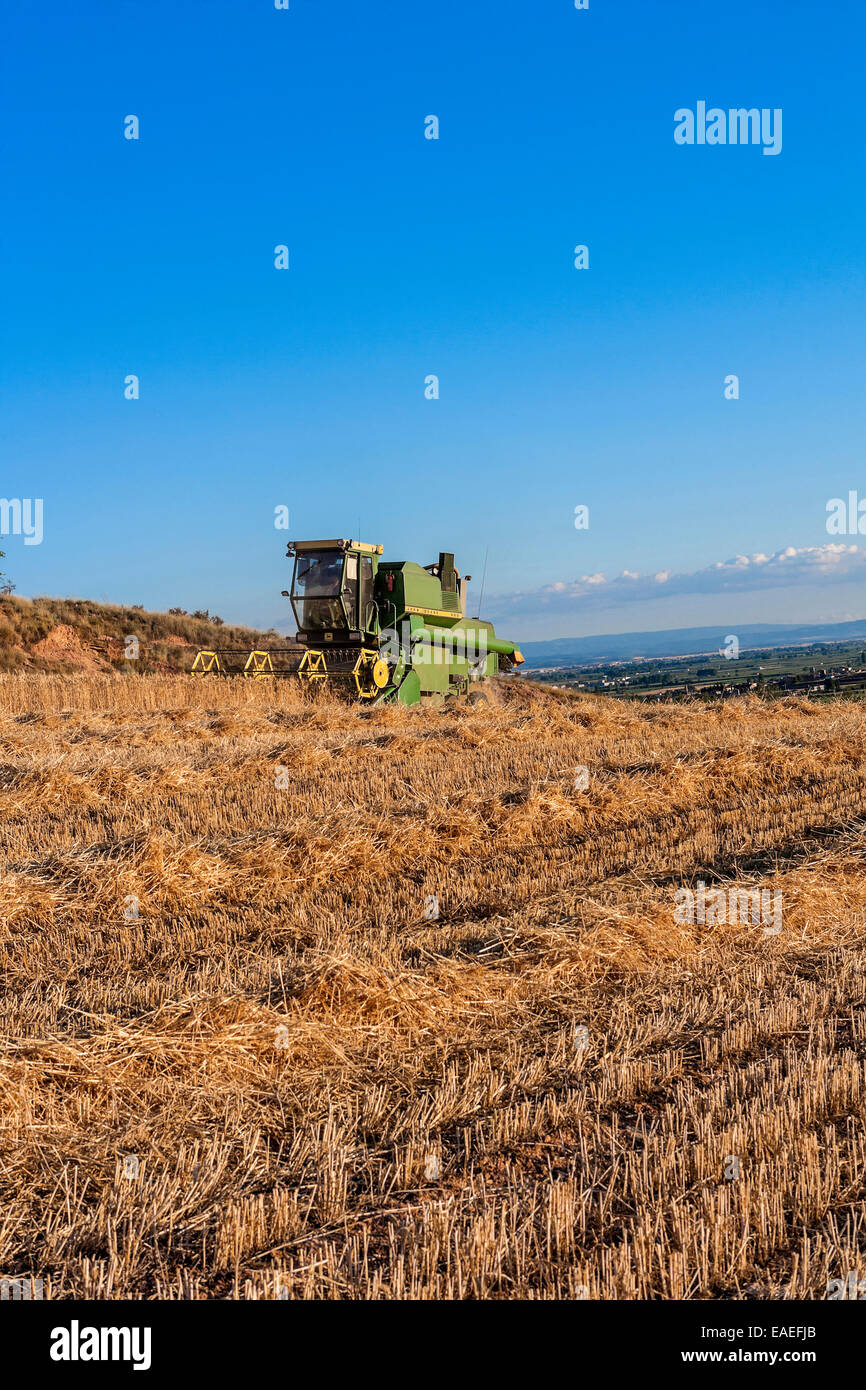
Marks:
<point>411,257</point>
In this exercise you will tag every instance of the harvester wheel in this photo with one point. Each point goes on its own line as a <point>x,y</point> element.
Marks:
<point>477,697</point>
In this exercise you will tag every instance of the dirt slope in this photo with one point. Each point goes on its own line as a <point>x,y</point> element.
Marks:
<point>59,635</point>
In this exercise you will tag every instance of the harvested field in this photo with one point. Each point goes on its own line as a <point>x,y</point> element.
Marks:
<point>307,1000</point>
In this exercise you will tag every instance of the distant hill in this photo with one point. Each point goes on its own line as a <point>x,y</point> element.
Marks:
<point>683,641</point>
<point>55,634</point>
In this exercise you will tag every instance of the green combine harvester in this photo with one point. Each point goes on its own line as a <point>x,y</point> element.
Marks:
<point>385,630</point>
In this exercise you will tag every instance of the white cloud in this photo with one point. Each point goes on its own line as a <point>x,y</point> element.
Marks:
<point>813,564</point>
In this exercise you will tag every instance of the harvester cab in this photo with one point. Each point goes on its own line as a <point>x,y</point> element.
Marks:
<point>332,591</point>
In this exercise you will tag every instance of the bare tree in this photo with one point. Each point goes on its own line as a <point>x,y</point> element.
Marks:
<point>6,585</point>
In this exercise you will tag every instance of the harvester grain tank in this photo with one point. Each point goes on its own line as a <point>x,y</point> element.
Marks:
<point>395,629</point>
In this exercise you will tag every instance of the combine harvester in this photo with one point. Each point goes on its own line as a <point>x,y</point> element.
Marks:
<point>385,630</point>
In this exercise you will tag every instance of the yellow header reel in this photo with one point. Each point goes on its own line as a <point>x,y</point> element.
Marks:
<point>207,664</point>
<point>313,667</point>
<point>259,666</point>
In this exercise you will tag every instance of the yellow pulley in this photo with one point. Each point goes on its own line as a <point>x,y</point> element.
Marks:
<point>371,673</point>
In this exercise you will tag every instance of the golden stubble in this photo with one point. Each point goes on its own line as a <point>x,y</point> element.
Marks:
<point>303,999</point>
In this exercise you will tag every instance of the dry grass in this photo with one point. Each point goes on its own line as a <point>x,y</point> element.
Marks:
<point>59,634</point>
<point>329,1095</point>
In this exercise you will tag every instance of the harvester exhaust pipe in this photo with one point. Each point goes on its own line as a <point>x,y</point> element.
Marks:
<point>464,585</point>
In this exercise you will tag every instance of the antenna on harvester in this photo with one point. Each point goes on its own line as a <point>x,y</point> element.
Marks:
<point>483,577</point>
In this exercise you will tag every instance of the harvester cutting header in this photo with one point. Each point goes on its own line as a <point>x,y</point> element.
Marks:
<point>390,629</point>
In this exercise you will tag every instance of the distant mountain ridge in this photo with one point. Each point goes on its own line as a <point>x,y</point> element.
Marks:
<point>683,641</point>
